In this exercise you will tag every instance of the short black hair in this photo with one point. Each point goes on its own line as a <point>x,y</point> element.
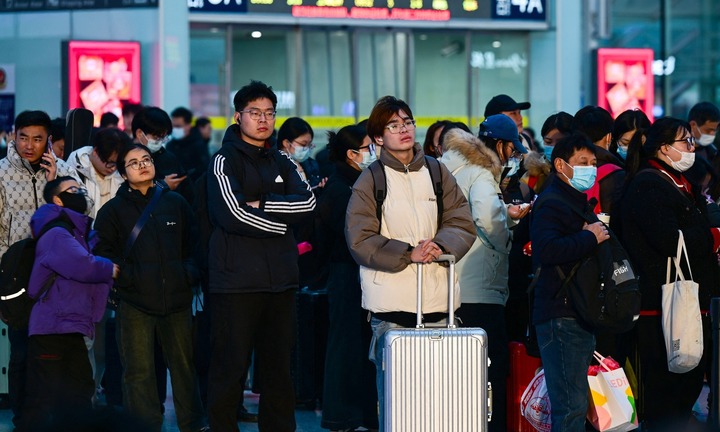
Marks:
<point>348,138</point>
<point>291,129</point>
<point>109,119</point>
<point>153,121</point>
<point>52,188</point>
<point>33,118</point>
<point>202,122</point>
<point>131,108</point>
<point>253,91</point>
<point>57,129</point>
<point>704,112</point>
<point>184,113</point>
<point>593,121</point>
<point>568,145</point>
<point>561,121</point>
<point>123,154</point>
<point>108,141</point>
<point>450,126</point>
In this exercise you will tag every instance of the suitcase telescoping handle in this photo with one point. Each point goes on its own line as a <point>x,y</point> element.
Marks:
<point>450,259</point>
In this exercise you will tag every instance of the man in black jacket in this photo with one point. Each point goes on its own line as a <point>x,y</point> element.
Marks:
<point>560,238</point>
<point>151,127</point>
<point>188,144</point>
<point>254,194</point>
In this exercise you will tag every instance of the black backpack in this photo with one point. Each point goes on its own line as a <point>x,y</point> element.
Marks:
<point>377,169</point>
<point>15,269</point>
<point>602,287</point>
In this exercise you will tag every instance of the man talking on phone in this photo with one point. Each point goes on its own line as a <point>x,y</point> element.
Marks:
<point>28,166</point>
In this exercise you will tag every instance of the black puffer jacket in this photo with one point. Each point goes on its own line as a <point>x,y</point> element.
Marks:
<point>159,271</point>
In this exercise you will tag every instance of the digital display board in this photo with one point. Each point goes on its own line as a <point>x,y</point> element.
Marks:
<point>407,10</point>
<point>625,80</point>
<point>54,5</point>
<point>101,76</point>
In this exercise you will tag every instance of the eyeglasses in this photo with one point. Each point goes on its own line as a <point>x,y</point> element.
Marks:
<point>75,190</point>
<point>255,114</point>
<point>514,153</point>
<point>370,147</point>
<point>139,164</point>
<point>690,142</point>
<point>396,128</point>
<point>110,164</point>
<point>309,145</point>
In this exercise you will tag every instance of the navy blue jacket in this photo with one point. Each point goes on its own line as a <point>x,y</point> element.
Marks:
<point>253,249</point>
<point>558,239</point>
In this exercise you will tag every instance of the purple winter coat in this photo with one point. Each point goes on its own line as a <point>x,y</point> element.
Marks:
<point>78,297</point>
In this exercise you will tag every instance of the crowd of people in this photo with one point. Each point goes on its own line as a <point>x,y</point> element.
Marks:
<point>136,227</point>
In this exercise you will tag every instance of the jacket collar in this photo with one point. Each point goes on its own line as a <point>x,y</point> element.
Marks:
<point>232,140</point>
<point>417,162</point>
<point>16,161</point>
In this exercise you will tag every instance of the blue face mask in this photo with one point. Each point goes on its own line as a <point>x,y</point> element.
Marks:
<point>300,153</point>
<point>583,177</point>
<point>622,152</point>
<point>547,149</point>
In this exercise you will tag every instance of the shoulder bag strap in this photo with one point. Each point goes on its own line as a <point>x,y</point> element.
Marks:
<point>141,220</point>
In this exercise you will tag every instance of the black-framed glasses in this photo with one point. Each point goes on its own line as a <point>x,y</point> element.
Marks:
<point>140,164</point>
<point>255,114</point>
<point>75,190</point>
<point>690,142</point>
<point>396,128</point>
<point>514,153</point>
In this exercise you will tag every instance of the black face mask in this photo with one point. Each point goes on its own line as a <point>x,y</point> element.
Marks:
<point>74,202</point>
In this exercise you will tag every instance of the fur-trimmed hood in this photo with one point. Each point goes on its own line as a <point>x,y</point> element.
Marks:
<point>472,150</point>
<point>536,164</point>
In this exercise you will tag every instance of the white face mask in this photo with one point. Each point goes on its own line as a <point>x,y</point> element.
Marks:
<point>687,159</point>
<point>178,133</point>
<point>706,139</point>
<point>368,158</point>
<point>154,145</point>
<point>514,165</point>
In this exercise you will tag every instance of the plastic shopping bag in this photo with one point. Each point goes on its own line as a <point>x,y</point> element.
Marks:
<point>535,403</point>
<point>612,405</point>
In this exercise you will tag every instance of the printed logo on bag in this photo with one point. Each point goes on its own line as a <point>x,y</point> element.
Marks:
<point>539,409</point>
<point>621,382</point>
<point>676,345</point>
<point>623,272</point>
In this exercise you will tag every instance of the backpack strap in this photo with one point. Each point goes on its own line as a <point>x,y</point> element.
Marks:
<point>377,169</point>
<point>62,221</point>
<point>436,179</point>
<point>141,220</point>
<point>553,196</point>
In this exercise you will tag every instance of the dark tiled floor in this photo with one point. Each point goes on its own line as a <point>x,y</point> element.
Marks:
<point>307,420</point>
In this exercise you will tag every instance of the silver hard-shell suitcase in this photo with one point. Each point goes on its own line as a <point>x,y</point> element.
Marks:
<point>436,378</point>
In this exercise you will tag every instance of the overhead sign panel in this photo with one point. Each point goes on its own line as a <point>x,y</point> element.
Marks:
<point>57,5</point>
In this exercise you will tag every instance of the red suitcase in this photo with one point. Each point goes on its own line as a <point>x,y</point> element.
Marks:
<point>522,371</point>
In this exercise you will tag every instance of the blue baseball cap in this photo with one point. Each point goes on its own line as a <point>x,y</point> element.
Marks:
<point>502,127</point>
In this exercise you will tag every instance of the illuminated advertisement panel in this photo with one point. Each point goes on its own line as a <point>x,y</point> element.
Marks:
<point>405,10</point>
<point>101,76</point>
<point>625,80</point>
